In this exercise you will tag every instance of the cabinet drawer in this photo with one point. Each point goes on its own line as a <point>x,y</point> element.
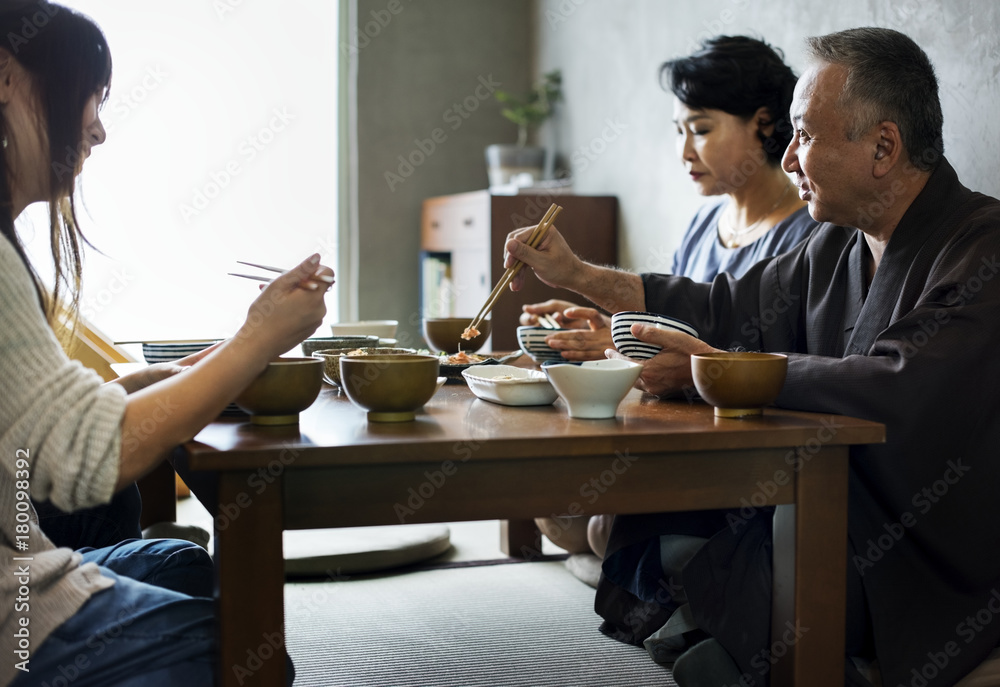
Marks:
<point>448,224</point>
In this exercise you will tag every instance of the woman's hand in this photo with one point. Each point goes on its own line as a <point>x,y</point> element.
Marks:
<point>586,332</point>
<point>669,371</point>
<point>289,309</point>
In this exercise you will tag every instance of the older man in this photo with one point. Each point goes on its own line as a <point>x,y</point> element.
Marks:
<point>890,312</point>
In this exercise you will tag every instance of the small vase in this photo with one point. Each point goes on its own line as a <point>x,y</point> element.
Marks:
<point>512,164</point>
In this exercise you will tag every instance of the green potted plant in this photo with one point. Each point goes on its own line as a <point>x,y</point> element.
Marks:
<point>508,162</point>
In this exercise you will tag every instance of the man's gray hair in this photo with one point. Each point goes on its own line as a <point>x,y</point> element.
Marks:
<point>889,78</point>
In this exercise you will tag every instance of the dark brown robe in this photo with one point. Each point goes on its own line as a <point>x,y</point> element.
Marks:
<point>918,350</point>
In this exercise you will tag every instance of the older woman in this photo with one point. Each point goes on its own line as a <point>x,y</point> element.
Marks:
<point>731,102</point>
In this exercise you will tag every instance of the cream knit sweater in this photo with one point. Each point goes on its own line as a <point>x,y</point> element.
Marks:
<point>60,440</point>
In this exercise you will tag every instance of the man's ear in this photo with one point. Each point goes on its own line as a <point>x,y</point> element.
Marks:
<point>887,149</point>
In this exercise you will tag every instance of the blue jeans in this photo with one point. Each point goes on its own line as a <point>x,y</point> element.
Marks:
<point>154,628</point>
<point>136,632</point>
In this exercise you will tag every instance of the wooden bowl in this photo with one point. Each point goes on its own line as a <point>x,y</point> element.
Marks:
<point>331,358</point>
<point>739,384</point>
<point>287,387</point>
<point>444,334</point>
<point>390,387</point>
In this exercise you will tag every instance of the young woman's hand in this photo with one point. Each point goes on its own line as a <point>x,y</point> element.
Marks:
<point>289,309</point>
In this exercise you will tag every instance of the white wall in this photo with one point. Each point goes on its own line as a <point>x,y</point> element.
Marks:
<point>616,120</point>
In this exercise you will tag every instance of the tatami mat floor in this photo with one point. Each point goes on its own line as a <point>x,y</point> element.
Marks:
<point>501,625</point>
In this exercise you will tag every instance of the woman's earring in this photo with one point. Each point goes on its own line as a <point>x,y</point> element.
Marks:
<point>4,142</point>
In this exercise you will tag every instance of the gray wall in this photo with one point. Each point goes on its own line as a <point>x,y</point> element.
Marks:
<point>429,57</point>
<point>615,127</point>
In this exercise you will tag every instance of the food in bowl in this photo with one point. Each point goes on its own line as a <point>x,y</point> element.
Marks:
<point>331,358</point>
<point>510,386</point>
<point>453,334</point>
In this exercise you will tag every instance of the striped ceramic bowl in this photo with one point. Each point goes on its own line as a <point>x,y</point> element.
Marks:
<point>532,341</point>
<point>621,332</point>
<point>169,351</point>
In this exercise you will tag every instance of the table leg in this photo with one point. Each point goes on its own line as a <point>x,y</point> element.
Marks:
<point>808,620</point>
<point>158,490</point>
<point>249,587</point>
<point>520,538</point>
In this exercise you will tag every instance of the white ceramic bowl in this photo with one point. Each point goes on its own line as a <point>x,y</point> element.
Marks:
<point>384,329</point>
<point>621,332</point>
<point>532,341</point>
<point>593,389</point>
<point>509,385</point>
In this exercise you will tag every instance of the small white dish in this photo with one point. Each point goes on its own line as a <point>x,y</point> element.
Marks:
<point>593,389</point>
<point>384,329</point>
<point>440,383</point>
<point>509,385</point>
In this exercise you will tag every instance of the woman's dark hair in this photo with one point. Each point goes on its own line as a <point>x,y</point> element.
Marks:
<point>738,75</point>
<point>68,59</point>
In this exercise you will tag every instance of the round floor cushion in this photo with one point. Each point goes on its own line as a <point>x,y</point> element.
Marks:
<point>355,550</point>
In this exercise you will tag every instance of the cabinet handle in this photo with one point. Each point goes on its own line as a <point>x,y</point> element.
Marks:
<point>434,224</point>
<point>467,221</point>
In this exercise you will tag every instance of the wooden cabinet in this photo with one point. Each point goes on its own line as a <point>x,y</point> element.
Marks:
<point>462,238</point>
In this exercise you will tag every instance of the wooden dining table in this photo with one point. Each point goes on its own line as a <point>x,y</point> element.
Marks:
<point>463,459</point>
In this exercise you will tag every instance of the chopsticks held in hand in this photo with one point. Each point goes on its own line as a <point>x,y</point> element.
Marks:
<point>548,321</point>
<point>536,238</point>
<point>325,278</point>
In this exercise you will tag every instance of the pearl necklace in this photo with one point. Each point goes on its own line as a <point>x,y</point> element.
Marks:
<point>734,235</point>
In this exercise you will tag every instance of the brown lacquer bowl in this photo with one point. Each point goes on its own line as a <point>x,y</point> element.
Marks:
<point>390,387</point>
<point>444,334</point>
<point>739,384</point>
<point>287,387</point>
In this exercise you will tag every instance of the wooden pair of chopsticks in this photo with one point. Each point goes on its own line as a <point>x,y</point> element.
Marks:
<point>536,238</point>
<point>318,277</point>
<point>547,321</point>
